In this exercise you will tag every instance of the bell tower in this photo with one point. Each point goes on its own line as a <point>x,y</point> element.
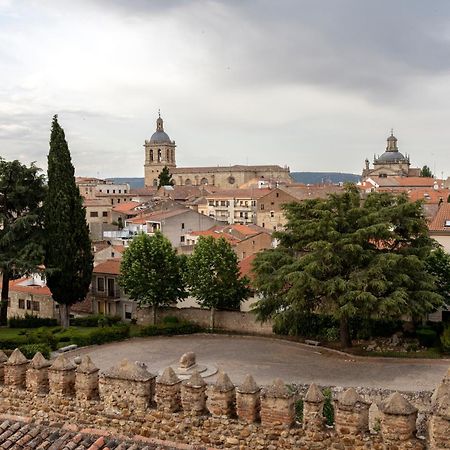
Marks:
<point>159,152</point>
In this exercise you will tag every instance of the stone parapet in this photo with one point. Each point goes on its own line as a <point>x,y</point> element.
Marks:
<point>277,405</point>
<point>248,402</point>
<point>222,397</point>
<point>61,377</point>
<point>193,395</point>
<point>37,374</point>
<point>351,413</point>
<point>313,419</point>
<point>3,359</point>
<point>16,369</point>
<point>86,380</point>
<point>439,422</point>
<point>168,391</point>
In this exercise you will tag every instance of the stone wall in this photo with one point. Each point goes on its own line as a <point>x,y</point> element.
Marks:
<point>128,399</point>
<point>236,321</point>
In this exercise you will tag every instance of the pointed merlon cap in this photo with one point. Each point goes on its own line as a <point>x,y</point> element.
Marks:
<point>249,386</point>
<point>128,370</point>
<point>39,362</point>
<point>62,363</point>
<point>196,381</point>
<point>223,383</point>
<point>168,377</point>
<point>314,394</point>
<point>3,357</point>
<point>350,398</point>
<point>87,366</point>
<point>17,358</point>
<point>397,405</point>
<point>278,389</point>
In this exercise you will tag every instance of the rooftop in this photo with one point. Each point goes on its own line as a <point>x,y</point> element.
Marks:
<point>441,218</point>
<point>110,267</point>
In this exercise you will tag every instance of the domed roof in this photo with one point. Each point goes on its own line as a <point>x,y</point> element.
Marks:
<point>391,156</point>
<point>160,136</point>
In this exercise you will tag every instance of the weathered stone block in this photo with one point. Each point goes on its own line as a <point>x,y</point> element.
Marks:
<point>193,395</point>
<point>439,421</point>
<point>277,405</point>
<point>351,413</point>
<point>86,380</point>
<point>37,374</point>
<point>16,369</point>
<point>313,420</point>
<point>61,377</point>
<point>222,397</point>
<point>248,400</point>
<point>168,391</point>
<point>398,420</point>
<point>3,359</point>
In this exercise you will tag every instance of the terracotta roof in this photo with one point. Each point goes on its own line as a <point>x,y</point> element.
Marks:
<point>216,233</point>
<point>126,207</point>
<point>404,181</point>
<point>119,248</point>
<point>243,229</point>
<point>19,286</point>
<point>111,266</point>
<point>246,267</point>
<point>241,168</point>
<point>145,191</point>
<point>441,217</point>
<point>22,433</point>
<point>95,202</point>
<point>158,215</point>
<point>429,195</point>
<point>312,191</point>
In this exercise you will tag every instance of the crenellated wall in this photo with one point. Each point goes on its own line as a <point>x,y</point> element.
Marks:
<point>129,399</point>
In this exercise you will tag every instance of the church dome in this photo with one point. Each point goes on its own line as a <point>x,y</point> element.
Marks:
<point>390,156</point>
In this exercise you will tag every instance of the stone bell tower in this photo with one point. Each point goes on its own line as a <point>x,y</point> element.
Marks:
<point>159,152</point>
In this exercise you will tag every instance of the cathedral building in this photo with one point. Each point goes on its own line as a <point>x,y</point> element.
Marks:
<point>160,152</point>
<point>391,163</point>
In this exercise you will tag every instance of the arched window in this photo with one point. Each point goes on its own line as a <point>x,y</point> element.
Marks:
<point>204,181</point>
<point>187,182</point>
<point>151,155</point>
<point>159,155</point>
<point>168,155</point>
<point>155,182</point>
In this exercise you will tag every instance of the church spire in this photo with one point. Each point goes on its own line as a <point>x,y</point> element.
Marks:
<point>392,142</point>
<point>159,122</point>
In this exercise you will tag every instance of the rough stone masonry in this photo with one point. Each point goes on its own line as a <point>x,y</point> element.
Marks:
<point>129,400</point>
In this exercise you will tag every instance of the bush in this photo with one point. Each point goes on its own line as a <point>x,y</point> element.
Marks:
<point>42,336</point>
<point>102,335</point>
<point>427,337</point>
<point>29,350</point>
<point>29,321</point>
<point>170,329</point>
<point>95,320</point>
<point>445,340</point>
<point>12,343</point>
<point>328,409</point>
<point>170,319</point>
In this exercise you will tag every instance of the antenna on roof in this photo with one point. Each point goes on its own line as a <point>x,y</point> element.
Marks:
<point>159,113</point>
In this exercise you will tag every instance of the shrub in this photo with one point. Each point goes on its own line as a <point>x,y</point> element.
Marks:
<point>29,350</point>
<point>445,340</point>
<point>29,321</point>
<point>13,342</point>
<point>95,320</point>
<point>427,337</point>
<point>102,335</point>
<point>42,336</point>
<point>170,329</point>
<point>170,319</point>
<point>328,409</point>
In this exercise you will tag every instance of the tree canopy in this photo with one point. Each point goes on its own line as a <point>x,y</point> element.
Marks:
<point>438,264</point>
<point>151,271</point>
<point>165,178</point>
<point>22,190</point>
<point>426,172</point>
<point>350,258</point>
<point>213,275</point>
<point>68,256</point>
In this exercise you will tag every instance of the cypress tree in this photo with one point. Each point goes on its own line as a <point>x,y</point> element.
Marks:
<point>68,256</point>
<point>165,178</point>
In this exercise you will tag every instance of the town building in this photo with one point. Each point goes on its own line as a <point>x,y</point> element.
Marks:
<point>391,163</point>
<point>160,151</point>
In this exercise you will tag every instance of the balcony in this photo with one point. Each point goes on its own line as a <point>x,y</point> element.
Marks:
<point>107,294</point>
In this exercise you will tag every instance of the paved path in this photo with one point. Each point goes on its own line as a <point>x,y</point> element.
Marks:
<point>267,358</point>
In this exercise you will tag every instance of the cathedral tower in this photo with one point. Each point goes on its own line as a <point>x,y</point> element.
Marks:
<point>159,152</point>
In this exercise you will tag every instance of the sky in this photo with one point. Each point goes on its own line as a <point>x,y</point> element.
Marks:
<point>314,85</point>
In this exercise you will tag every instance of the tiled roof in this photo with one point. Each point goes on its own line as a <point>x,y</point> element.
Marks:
<point>238,193</point>
<point>429,195</point>
<point>313,191</point>
<point>216,233</point>
<point>404,181</point>
<point>443,215</point>
<point>20,286</point>
<point>111,267</point>
<point>22,433</point>
<point>229,169</point>
<point>126,207</point>
<point>246,267</point>
<point>158,215</point>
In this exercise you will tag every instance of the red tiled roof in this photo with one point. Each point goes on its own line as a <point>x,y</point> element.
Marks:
<point>443,215</point>
<point>429,195</point>
<point>243,229</point>
<point>216,233</point>
<point>19,286</point>
<point>246,267</point>
<point>111,267</point>
<point>126,207</point>
<point>119,248</point>
<point>158,215</point>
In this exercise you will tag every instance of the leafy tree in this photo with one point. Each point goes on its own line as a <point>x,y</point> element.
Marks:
<point>22,190</point>
<point>438,264</point>
<point>151,272</point>
<point>165,178</point>
<point>68,256</point>
<point>426,172</point>
<point>349,258</point>
<point>213,276</point>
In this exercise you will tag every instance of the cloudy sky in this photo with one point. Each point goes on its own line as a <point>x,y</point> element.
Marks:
<point>315,85</point>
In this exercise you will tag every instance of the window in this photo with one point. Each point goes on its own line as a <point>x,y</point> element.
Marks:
<point>272,203</point>
<point>101,284</point>
<point>272,214</point>
<point>93,214</point>
<point>447,223</point>
<point>120,191</point>
<point>21,303</point>
<point>261,207</point>
<point>28,304</point>
<point>277,194</point>
<point>182,226</point>
<point>125,191</point>
<point>105,213</point>
<point>118,200</point>
<point>114,191</point>
<point>112,254</point>
<point>107,191</point>
<point>35,305</point>
<point>127,310</point>
<point>263,225</point>
<point>182,239</point>
<point>243,255</point>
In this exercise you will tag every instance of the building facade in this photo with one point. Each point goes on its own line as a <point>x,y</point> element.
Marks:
<point>160,152</point>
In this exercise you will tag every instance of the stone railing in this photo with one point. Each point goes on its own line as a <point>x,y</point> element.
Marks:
<point>129,399</point>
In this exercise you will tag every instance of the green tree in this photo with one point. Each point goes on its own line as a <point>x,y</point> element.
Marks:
<point>151,272</point>
<point>165,178</point>
<point>213,276</point>
<point>68,256</point>
<point>438,264</point>
<point>22,190</point>
<point>426,172</point>
<point>349,258</point>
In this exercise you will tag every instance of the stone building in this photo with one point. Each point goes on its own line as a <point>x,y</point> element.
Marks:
<point>160,152</point>
<point>390,163</point>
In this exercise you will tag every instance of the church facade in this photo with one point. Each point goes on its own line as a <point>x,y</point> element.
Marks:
<point>160,152</point>
<point>391,163</point>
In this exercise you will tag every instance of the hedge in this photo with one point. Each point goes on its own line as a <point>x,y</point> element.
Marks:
<point>29,321</point>
<point>103,335</point>
<point>30,350</point>
<point>170,328</point>
<point>95,320</point>
<point>427,337</point>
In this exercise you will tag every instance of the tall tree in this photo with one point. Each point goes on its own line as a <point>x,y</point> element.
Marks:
<point>151,272</point>
<point>349,258</point>
<point>213,276</point>
<point>438,264</point>
<point>165,178</point>
<point>22,190</point>
<point>426,172</point>
<point>68,256</point>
